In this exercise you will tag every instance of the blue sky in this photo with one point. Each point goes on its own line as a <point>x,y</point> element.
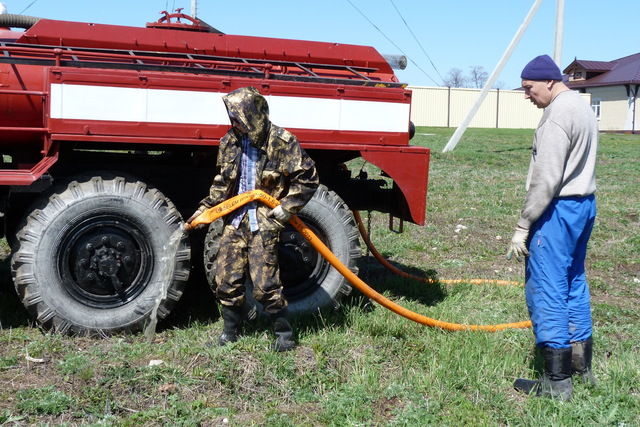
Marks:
<point>450,33</point>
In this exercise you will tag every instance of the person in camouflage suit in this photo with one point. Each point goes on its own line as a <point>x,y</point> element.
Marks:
<point>256,154</point>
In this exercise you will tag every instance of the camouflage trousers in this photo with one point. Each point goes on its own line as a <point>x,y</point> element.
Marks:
<point>243,251</point>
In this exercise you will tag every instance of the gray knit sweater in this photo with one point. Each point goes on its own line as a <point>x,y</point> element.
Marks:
<point>563,156</point>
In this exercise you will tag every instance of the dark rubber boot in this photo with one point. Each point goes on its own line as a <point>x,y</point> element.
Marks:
<point>284,333</point>
<point>581,361</point>
<point>232,317</point>
<point>556,380</point>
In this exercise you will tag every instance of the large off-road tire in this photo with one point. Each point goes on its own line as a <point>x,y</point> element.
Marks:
<point>98,254</point>
<point>310,282</point>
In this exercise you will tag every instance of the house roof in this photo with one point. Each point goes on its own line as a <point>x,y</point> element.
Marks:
<point>594,65</point>
<point>618,72</point>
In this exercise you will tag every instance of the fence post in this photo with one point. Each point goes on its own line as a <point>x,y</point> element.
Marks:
<point>449,106</point>
<point>497,108</point>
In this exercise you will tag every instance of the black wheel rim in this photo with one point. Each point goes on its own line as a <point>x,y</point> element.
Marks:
<point>104,261</point>
<point>302,268</point>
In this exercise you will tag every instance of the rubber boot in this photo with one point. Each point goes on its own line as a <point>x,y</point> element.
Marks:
<point>232,317</point>
<point>556,380</point>
<point>284,332</point>
<point>581,361</point>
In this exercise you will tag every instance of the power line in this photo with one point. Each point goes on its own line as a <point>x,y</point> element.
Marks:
<point>30,4</point>
<point>391,41</point>
<point>416,39</point>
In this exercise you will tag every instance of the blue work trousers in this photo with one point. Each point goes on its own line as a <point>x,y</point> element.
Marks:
<point>556,287</point>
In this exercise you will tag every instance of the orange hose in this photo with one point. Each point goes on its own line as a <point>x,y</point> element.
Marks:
<point>233,203</point>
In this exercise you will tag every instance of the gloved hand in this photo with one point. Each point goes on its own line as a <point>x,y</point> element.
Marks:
<point>187,224</point>
<point>280,214</point>
<point>194,216</point>
<point>519,244</point>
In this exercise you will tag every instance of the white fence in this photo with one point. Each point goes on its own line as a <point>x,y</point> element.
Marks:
<point>447,107</point>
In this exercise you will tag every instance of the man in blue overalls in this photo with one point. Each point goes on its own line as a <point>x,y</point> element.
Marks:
<point>554,228</point>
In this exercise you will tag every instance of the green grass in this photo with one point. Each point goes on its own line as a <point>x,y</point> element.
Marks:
<point>365,366</point>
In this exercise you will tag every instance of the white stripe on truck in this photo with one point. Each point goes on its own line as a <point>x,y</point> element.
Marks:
<point>122,104</point>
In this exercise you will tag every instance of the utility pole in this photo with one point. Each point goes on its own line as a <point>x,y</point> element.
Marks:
<point>494,76</point>
<point>557,52</point>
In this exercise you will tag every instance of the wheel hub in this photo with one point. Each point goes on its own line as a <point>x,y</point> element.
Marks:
<point>104,262</point>
<point>300,264</point>
<point>107,262</point>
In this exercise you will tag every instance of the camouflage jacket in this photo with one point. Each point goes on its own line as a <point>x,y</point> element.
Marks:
<point>284,170</point>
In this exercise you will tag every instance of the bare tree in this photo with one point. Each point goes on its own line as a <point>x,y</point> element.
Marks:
<point>478,76</point>
<point>454,78</point>
<point>500,85</point>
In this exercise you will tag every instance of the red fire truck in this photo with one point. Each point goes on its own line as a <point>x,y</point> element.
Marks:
<point>109,134</point>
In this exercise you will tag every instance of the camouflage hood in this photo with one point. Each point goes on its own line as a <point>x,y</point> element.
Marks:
<point>251,109</point>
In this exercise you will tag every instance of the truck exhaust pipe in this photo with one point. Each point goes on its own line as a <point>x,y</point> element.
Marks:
<point>397,62</point>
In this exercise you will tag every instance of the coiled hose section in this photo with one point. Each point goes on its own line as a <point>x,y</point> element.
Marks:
<point>235,202</point>
<point>17,21</point>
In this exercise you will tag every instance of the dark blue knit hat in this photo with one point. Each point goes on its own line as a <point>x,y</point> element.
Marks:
<point>541,68</point>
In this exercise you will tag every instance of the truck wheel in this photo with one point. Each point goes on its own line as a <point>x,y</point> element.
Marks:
<point>97,256</point>
<point>309,281</point>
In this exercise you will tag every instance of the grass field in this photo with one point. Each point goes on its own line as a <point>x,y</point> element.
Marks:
<point>364,365</point>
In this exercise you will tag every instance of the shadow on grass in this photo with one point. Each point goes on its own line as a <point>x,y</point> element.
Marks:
<point>12,312</point>
<point>383,280</point>
<point>537,362</point>
<point>314,322</point>
<point>379,279</point>
<point>197,304</point>
<point>505,150</point>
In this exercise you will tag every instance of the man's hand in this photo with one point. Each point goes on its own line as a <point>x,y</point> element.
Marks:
<point>519,244</point>
<point>187,224</point>
<point>280,214</point>
<point>194,216</point>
